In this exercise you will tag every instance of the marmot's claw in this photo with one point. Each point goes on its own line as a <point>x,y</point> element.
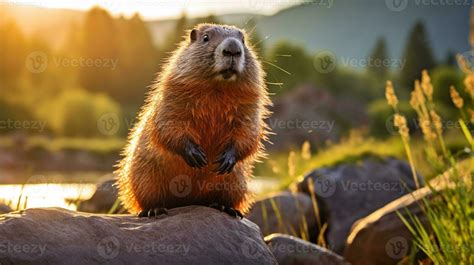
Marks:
<point>155,212</point>
<point>226,161</point>
<point>194,155</point>
<point>229,210</point>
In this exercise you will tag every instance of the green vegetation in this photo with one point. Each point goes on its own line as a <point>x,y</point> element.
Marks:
<point>449,234</point>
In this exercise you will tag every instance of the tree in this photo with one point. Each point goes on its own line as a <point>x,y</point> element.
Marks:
<point>287,65</point>
<point>100,45</point>
<point>417,55</point>
<point>137,61</point>
<point>13,51</point>
<point>378,56</point>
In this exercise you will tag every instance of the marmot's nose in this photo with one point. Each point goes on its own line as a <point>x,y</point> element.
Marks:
<point>232,49</point>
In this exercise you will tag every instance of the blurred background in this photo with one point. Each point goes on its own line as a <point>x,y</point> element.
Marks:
<point>73,75</point>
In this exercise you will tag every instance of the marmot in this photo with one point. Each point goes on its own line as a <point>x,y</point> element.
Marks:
<point>201,128</point>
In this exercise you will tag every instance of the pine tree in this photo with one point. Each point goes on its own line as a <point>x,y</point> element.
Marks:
<point>378,56</point>
<point>417,55</point>
<point>100,44</point>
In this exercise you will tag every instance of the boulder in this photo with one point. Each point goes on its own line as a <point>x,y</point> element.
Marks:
<point>103,199</point>
<point>5,208</point>
<point>290,250</point>
<point>382,237</point>
<point>348,192</point>
<point>187,235</point>
<point>294,213</point>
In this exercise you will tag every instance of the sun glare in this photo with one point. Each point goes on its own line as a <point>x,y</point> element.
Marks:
<point>152,9</point>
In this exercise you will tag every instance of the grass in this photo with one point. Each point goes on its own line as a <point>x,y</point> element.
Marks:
<point>104,145</point>
<point>448,238</point>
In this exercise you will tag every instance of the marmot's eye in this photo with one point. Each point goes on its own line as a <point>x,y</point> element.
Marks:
<point>205,38</point>
<point>243,40</point>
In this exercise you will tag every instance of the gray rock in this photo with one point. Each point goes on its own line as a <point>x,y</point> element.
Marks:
<point>103,199</point>
<point>382,237</point>
<point>348,192</point>
<point>187,235</point>
<point>5,208</point>
<point>290,250</point>
<point>295,213</point>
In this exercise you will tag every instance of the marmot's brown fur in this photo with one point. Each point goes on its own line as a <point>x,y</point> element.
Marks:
<point>201,128</point>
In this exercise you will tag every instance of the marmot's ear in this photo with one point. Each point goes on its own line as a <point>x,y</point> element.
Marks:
<point>193,35</point>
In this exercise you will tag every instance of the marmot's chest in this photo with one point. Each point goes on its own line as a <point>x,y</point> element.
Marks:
<point>213,121</point>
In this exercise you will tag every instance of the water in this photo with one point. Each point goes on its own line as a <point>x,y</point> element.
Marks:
<point>66,195</point>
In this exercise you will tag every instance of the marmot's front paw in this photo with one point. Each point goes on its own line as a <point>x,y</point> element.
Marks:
<point>193,155</point>
<point>226,160</point>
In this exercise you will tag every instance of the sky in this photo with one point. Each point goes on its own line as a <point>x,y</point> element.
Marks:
<point>159,9</point>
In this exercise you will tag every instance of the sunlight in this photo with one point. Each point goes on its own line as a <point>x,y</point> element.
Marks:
<point>46,195</point>
<point>150,9</point>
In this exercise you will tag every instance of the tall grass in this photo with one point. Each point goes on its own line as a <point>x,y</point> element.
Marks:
<point>448,238</point>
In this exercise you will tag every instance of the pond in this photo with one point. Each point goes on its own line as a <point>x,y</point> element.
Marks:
<point>50,189</point>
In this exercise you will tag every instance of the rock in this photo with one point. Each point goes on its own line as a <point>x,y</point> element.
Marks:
<point>307,113</point>
<point>289,250</point>
<point>103,199</point>
<point>187,235</point>
<point>5,208</point>
<point>346,193</point>
<point>382,237</point>
<point>295,213</point>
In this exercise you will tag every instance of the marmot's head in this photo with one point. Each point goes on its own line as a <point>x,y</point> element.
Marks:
<point>217,53</point>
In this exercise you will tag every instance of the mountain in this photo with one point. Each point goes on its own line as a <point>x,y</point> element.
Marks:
<point>350,28</point>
